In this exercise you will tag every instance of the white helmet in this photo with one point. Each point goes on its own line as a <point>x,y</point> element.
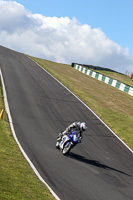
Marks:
<point>83,126</point>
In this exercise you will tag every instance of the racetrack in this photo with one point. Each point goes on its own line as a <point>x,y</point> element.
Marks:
<point>101,167</point>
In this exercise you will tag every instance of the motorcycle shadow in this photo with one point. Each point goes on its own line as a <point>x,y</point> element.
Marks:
<point>93,162</point>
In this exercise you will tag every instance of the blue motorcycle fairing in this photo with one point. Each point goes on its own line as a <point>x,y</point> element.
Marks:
<point>71,137</point>
<point>63,140</point>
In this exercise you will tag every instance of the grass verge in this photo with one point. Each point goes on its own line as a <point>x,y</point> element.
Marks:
<point>120,77</point>
<point>114,107</point>
<point>17,180</point>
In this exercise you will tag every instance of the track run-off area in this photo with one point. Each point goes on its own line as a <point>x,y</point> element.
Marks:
<point>101,167</point>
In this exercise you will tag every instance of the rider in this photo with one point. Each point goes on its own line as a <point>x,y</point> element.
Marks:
<point>77,127</point>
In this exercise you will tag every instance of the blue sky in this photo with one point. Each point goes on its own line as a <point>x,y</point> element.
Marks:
<point>113,17</point>
<point>94,32</point>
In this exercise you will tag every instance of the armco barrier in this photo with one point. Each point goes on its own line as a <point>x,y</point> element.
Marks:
<point>117,84</point>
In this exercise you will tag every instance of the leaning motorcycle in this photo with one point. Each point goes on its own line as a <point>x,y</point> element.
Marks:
<point>67,142</point>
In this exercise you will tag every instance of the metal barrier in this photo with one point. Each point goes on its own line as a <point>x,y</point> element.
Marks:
<point>112,82</point>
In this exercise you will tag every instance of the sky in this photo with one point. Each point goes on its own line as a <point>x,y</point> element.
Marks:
<point>97,32</point>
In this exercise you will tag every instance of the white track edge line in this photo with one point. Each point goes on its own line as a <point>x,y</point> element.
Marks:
<point>86,106</point>
<point>15,137</point>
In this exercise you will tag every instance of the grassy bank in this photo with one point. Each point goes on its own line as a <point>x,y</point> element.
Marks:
<point>114,107</point>
<point>17,180</point>
<point>117,76</point>
<point>120,77</point>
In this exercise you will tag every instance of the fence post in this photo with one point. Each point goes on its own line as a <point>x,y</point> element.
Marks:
<point>1,114</point>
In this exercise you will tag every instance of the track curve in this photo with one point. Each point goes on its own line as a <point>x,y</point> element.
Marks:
<point>101,167</point>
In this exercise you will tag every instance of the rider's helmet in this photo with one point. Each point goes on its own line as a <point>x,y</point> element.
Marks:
<point>83,126</point>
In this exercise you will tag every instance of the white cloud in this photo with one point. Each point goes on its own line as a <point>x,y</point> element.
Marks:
<point>59,39</point>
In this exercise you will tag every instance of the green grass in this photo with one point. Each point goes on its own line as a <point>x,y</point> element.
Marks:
<point>113,106</point>
<point>117,76</point>
<point>17,179</point>
<point>120,77</point>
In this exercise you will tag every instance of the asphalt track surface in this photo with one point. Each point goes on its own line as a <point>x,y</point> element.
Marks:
<point>100,168</point>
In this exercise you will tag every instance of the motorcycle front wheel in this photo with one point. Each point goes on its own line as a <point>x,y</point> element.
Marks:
<point>67,148</point>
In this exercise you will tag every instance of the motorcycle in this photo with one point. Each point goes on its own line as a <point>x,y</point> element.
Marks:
<point>67,142</point>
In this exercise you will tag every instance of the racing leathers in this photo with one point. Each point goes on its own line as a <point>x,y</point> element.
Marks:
<point>76,128</point>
